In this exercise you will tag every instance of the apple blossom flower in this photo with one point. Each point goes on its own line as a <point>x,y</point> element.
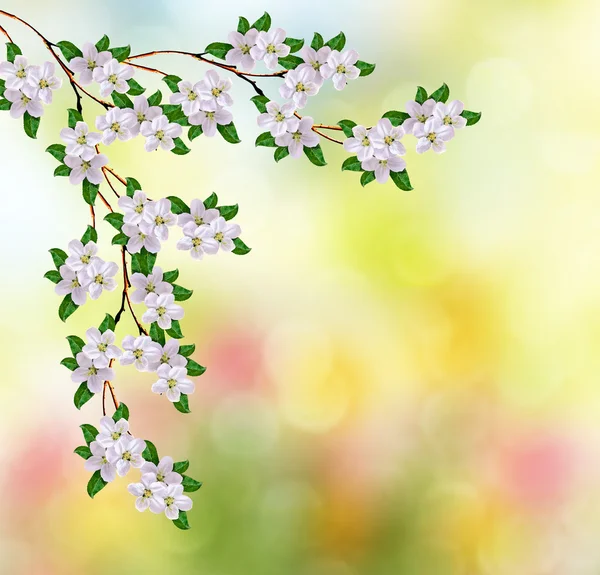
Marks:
<point>433,134</point>
<point>112,431</point>
<point>163,472</point>
<point>70,285</point>
<point>242,46</point>
<point>386,139</point>
<point>270,47</point>
<point>90,372</point>
<point>126,454</point>
<point>209,115</point>
<point>16,74</point>
<point>341,66</point>
<point>160,132</point>
<point>133,208</point>
<point>299,84</point>
<point>149,492</point>
<point>81,256</point>
<point>298,135</point>
<point>142,112</point>
<point>82,169</point>
<point>43,81</point>
<point>277,117</point>
<point>315,59</point>
<point>173,381</point>
<point>162,309</point>
<point>113,77</point>
<point>99,277</point>
<point>24,100</point>
<point>89,62</point>
<point>215,89</point>
<point>188,96</point>
<point>100,346</point>
<point>167,354</point>
<point>152,283</point>
<point>224,233</point>
<point>115,124</point>
<point>158,218</point>
<point>80,141</point>
<point>383,166</point>
<point>176,501</point>
<point>198,240</point>
<point>360,144</point>
<point>419,114</point>
<point>99,461</point>
<point>198,214</point>
<point>141,351</point>
<point>450,114</point>
<point>139,239</point>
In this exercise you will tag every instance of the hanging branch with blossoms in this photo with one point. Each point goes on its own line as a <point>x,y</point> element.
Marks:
<point>143,224</point>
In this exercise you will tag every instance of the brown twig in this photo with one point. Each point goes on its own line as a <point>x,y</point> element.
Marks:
<point>93,214</point>
<point>108,384</point>
<point>6,34</point>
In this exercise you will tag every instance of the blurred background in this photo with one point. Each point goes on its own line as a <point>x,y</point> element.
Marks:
<point>397,382</point>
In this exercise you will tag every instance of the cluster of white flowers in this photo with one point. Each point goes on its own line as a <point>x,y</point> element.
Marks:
<point>27,87</point>
<point>94,359</point>
<point>82,156</point>
<point>205,103</point>
<point>84,272</point>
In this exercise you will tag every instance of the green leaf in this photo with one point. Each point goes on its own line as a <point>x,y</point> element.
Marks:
<point>31,125</point>
<point>150,453</point>
<point>471,117</point>
<point>295,44</point>
<point>193,368</point>
<point>365,68</point>
<point>218,49</point>
<point>12,51</point>
<point>195,132</point>
<point>187,350</point>
<point>107,323</point>
<point>315,155</point>
<point>132,186</point>
<point>181,466</point>
<point>5,105</point>
<point>182,405</point>
<point>190,484</point>
<point>76,344</point>
<point>171,276</point>
<point>90,235</point>
<point>67,308</point>
<point>347,126</point>
<point>180,148</point>
<point>135,89</point>
<point>120,239</point>
<point>229,133</point>
<point>83,451</point>
<point>143,262</point>
<point>211,201</point>
<point>421,95</point>
<point>57,151</point>
<point>73,117</point>
<point>243,25</point>
<point>401,180</point>
<point>155,99</point>
<point>395,117</point>
<point>122,412</point>
<point>290,62</point>
<point>53,275</point>
<point>175,330</point>
<point>261,103</point>
<point>121,100</point>
<point>82,395</point>
<point>62,170</point>
<point>228,212</point>
<point>241,249</point>
<point>317,42</point>
<point>178,206</point>
<point>337,42</point>
<point>172,82</point>
<point>441,94</point>
<point>181,293</point>
<point>367,178</point>
<point>280,153</point>
<point>266,139</point>
<point>263,23</point>
<point>103,44</point>
<point>69,50</point>
<point>352,164</point>
<point>95,484</point>
<point>90,191</point>
<point>70,363</point>
<point>182,521</point>
<point>115,219</point>
<point>59,257</point>
<point>89,433</point>
<point>121,53</point>
<point>157,334</point>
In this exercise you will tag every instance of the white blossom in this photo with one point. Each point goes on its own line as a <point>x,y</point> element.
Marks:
<point>383,166</point>
<point>158,218</point>
<point>341,66</point>
<point>162,309</point>
<point>80,141</point>
<point>386,139</point>
<point>173,382</point>
<point>142,112</point>
<point>133,208</point>
<point>209,115</point>
<point>150,494</point>
<point>224,233</point>
<point>116,123</point>
<point>126,454</point>
<point>188,96</point>
<point>270,47</point>
<point>160,132</point>
<point>99,461</point>
<point>198,240</point>
<point>167,354</point>
<point>450,114</point>
<point>111,431</point>
<point>242,46</point>
<point>82,169</point>
<point>141,351</point>
<point>139,239</point>
<point>24,100</point>
<point>215,89</point>
<point>90,61</point>
<point>315,59</point>
<point>176,501</point>
<point>277,117</point>
<point>360,144</point>
<point>198,214</point>
<point>15,74</point>
<point>70,284</point>
<point>433,135</point>
<point>419,114</point>
<point>100,346</point>
<point>298,135</point>
<point>81,256</point>
<point>88,371</point>
<point>299,84</point>
<point>43,81</point>
<point>163,472</point>
<point>99,276</point>
<point>152,283</point>
<point>113,77</point>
